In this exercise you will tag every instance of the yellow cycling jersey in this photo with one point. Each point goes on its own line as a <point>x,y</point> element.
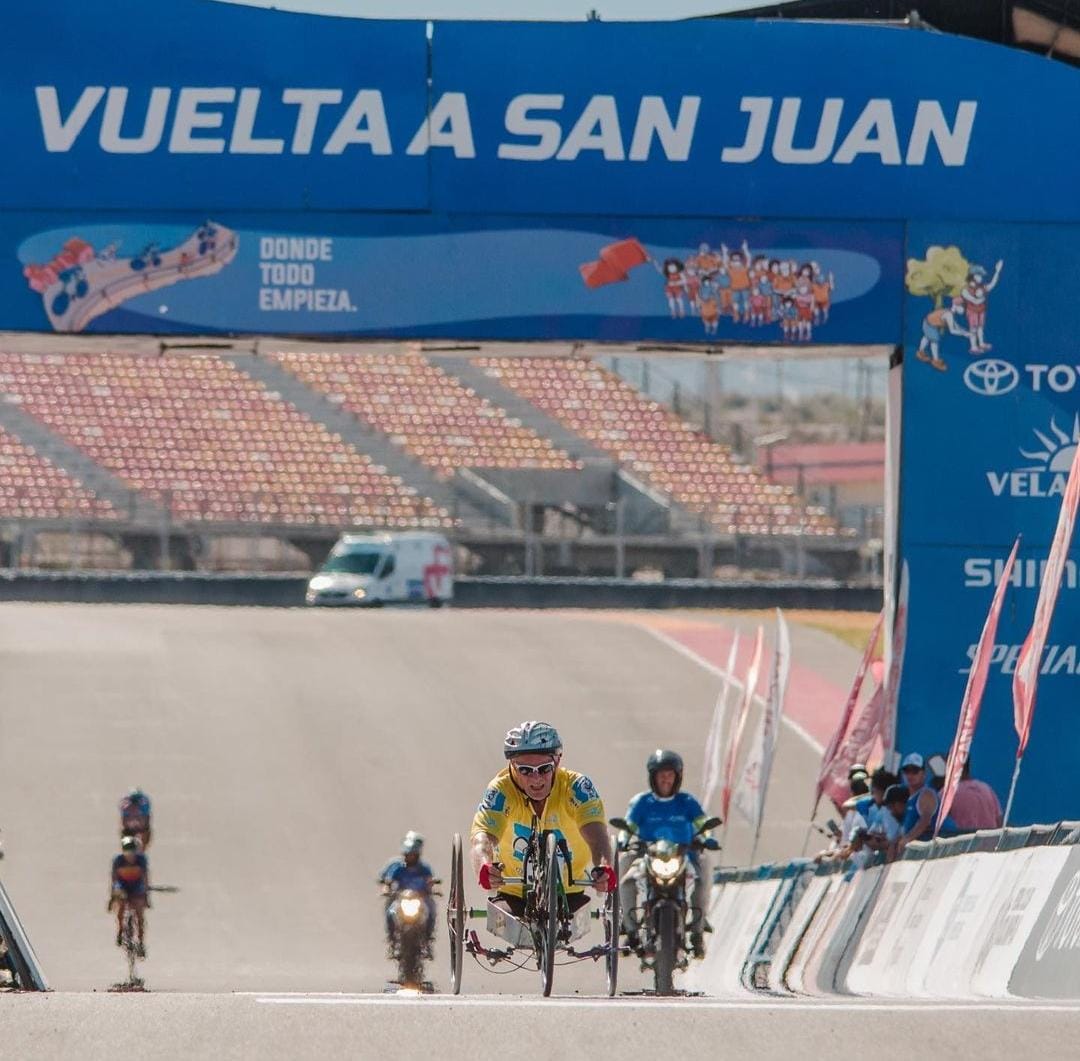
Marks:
<point>506,813</point>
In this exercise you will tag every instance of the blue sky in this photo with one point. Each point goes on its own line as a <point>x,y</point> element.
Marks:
<point>559,10</point>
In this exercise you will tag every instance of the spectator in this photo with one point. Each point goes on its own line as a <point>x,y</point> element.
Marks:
<point>889,828</point>
<point>880,782</point>
<point>923,803</point>
<point>936,766</point>
<point>854,818</point>
<point>975,805</point>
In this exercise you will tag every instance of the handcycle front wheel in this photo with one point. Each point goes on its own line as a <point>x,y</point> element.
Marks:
<point>546,932</point>
<point>455,915</point>
<point>612,927</point>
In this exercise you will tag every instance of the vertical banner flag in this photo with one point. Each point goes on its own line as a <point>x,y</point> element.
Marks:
<point>973,694</point>
<point>858,745</point>
<point>714,744</point>
<point>754,785</point>
<point>735,737</point>
<point>896,671</point>
<point>849,708</point>
<point>1026,678</point>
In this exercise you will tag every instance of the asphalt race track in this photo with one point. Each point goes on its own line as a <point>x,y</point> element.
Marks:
<point>286,752</point>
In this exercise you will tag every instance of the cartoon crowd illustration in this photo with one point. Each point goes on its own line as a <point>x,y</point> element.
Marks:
<point>710,284</point>
<point>960,291</point>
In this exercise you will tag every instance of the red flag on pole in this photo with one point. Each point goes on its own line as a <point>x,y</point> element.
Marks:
<point>862,737</point>
<point>849,707</point>
<point>1026,677</point>
<point>973,694</point>
<point>749,688</point>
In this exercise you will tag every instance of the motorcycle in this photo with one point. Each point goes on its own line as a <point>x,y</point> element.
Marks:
<point>664,872</point>
<point>408,912</point>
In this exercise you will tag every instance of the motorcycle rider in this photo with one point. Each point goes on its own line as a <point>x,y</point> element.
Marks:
<point>564,802</point>
<point>665,812</point>
<point>408,873</point>
<point>135,816</point>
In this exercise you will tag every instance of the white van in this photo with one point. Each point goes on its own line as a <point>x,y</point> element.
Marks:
<point>395,567</point>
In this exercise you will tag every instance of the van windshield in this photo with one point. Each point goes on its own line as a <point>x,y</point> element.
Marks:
<point>363,563</point>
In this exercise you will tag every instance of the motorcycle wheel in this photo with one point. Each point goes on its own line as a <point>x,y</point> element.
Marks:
<point>546,932</point>
<point>410,960</point>
<point>666,951</point>
<point>612,925</point>
<point>455,915</point>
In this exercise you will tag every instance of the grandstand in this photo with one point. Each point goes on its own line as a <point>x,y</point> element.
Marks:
<point>298,445</point>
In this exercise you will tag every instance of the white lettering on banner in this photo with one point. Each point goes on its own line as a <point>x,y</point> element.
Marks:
<point>1053,451</point>
<point>153,124</point>
<point>1056,659</point>
<point>288,276</point>
<point>447,125</point>
<point>992,376</point>
<point>536,119</point>
<point>873,132</point>
<point>983,571</point>
<point>1062,931</point>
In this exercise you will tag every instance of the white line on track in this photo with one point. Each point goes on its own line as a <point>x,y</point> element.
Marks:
<point>688,1004</point>
<point>690,654</point>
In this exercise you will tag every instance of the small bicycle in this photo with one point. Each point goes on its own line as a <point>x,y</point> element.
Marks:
<point>547,926</point>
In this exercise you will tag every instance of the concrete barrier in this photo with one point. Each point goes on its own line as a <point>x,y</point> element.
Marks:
<point>285,591</point>
<point>982,916</point>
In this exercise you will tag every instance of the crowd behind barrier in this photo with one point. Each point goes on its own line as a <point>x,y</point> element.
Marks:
<point>992,914</point>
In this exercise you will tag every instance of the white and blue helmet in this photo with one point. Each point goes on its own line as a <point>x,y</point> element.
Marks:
<point>530,738</point>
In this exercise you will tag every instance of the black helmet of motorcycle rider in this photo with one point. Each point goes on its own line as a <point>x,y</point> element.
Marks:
<point>663,759</point>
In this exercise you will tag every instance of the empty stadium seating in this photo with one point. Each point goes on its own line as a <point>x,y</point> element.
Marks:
<point>32,488</point>
<point>208,441</point>
<point>429,413</point>
<point>697,473</point>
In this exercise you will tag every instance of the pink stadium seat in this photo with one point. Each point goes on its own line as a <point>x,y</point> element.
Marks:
<point>425,411</point>
<point>651,441</point>
<point>213,444</point>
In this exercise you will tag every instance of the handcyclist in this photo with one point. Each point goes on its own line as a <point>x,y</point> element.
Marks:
<point>533,784</point>
<point>665,812</point>
<point>129,886</point>
<point>408,873</point>
<point>135,816</point>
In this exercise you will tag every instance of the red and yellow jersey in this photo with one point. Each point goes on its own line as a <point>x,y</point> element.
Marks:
<point>506,813</point>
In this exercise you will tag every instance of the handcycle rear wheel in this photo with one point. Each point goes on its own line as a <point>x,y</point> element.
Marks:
<point>455,915</point>
<point>546,931</point>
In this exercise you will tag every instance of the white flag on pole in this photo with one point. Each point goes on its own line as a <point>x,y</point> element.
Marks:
<point>752,789</point>
<point>714,744</point>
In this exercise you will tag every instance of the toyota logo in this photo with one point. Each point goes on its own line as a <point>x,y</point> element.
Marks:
<point>991,376</point>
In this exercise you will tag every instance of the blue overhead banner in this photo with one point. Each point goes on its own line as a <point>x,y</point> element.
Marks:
<point>494,278</point>
<point>189,104</point>
<point>991,421</point>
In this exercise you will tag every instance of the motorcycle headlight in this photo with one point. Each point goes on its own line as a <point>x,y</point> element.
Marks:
<point>410,908</point>
<point>665,867</point>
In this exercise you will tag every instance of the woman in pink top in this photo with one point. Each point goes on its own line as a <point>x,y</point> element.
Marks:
<point>975,805</point>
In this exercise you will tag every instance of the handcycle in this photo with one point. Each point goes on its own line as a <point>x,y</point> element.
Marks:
<point>547,926</point>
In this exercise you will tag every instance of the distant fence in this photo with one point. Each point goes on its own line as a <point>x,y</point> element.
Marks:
<point>282,591</point>
<point>988,915</point>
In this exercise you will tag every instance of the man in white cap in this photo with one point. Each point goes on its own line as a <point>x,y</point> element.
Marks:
<point>922,803</point>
